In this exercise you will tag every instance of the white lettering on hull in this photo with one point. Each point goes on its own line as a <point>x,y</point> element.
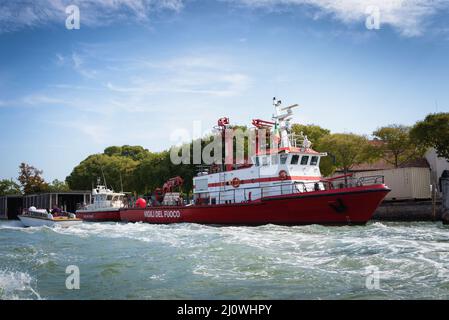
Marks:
<point>174,214</point>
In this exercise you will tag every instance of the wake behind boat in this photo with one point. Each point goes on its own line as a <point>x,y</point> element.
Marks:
<point>40,217</point>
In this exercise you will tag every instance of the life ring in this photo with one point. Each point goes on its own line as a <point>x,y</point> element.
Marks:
<point>283,175</point>
<point>235,182</point>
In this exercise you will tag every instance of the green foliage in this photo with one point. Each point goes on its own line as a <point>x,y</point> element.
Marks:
<point>313,132</point>
<point>154,170</point>
<point>58,186</point>
<point>347,149</point>
<point>9,187</point>
<point>396,146</point>
<point>433,132</point>
<point>115,168</point>
<point>134,152</point>
<point>30,179</point>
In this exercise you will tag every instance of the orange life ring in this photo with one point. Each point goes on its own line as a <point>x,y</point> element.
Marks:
<point>235,182</point>
<point>283,175</point>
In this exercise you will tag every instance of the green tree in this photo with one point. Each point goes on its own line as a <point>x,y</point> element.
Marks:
<point>347,150</point>
<point>433,132</point>
<point>313,132</point>
<point>31,179</point>
<point>58,186</point>
<point>396,146</point>
<point>116,169</point>
<point>9,187</point>
<point>134,152</point>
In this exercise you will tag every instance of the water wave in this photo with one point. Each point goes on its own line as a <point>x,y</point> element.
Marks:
<point>17,285</point>
<point>189,261</point>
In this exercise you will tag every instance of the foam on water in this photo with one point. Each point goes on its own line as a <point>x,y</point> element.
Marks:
<point>195,261</point>
<point>17,285</point>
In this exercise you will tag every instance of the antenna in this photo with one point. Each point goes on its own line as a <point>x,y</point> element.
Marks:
<point>104,178</point>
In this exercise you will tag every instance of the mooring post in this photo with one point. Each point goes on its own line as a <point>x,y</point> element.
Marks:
<point>444,183</point>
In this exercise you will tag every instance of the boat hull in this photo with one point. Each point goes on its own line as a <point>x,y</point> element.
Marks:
<point>99,216</point>
<point>39,222</point>
<point>328,207</point>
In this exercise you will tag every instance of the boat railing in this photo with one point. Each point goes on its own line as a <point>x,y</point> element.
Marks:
<point>285,188</point>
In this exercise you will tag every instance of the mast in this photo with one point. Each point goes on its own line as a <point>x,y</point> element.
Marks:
<point>104,178</point>
<point>282,119</point>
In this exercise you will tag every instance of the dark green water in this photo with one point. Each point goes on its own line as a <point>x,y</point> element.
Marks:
<point>188,261</point>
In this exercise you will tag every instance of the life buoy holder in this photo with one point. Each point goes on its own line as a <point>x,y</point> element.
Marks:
<point>235,182</point>
<point>283,175</point>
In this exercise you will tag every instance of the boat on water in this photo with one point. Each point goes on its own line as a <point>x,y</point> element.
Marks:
<point>105,205</point>
<point>40,217</point>
<point>280,185</point>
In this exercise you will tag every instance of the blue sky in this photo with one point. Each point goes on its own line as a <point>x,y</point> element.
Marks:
<point>137,70</point>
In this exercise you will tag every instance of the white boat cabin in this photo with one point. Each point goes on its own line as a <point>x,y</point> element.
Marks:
<point>104,199</point>
<point>280,171</point>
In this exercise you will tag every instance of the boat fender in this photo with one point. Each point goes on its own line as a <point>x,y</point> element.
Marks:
<point>235,182</point>
<point>283,174</point>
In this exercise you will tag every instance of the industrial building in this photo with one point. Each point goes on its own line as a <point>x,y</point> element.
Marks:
<point>411,181</point>
<point>11,206</point>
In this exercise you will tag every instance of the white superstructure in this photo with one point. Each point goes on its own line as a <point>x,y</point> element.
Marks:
<point>285,169</point>
<point>104,199</point>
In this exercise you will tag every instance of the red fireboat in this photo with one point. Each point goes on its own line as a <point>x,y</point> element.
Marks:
<point>282,185</point>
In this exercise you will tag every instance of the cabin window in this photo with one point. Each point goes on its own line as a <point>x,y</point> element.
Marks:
<point>274,159</point>
<point>304,160</point>
<point>109,198</point>
<point>314,161</point>
<point>284,158</point>
<point>257,161</point>
<point>295,159</point>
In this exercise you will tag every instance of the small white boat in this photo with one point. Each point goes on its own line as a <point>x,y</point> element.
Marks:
<point>38,218</point>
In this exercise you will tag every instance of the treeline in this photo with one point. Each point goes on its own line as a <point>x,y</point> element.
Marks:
<point>30,181</point>
<point>136,169</point>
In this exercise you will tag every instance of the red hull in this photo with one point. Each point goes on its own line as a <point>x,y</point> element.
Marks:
<point>343,206</point>
<point>99,216</point>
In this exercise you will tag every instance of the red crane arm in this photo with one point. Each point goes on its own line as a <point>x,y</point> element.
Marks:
<point>259,123</point>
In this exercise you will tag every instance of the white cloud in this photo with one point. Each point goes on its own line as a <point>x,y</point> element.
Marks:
<point>40,99</point>
<point>409,17</point>
<point>207,75</point>
<point>15,15</point>
<point>79,66</point>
